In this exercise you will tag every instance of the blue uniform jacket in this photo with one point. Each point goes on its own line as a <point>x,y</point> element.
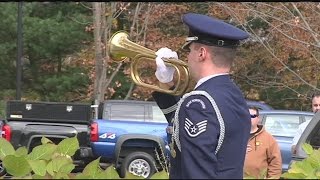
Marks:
<point>168,104</point>
<point>199,131</point>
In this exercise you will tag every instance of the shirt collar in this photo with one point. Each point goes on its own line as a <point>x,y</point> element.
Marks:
<point>204,79</point>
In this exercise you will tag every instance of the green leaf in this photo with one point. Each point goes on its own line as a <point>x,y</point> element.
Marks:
<point>160,175</point>
<point>301,167</point>
<point>5,148</point>
<point>58,164</point>
<point>68,146</point>
<point>109,173</point>
<point>16,166</point>
<point>61,175</point>
<point>307,148</point>
<point>27,177</point>
<point>288,175</point>
<point>93,168</point>
<point>314,159</point>
<point>51,168</point>
<point>306,167</point>
<point>311,176</point>
<point>36,176</point>
<point>38,167</point>
<point>45,140</point>
<point>82,176</point>
<point>21,151</point>
<point>105,175</point>
<point>132,176</point>
<point>67,168</point>
<point>44,151</point>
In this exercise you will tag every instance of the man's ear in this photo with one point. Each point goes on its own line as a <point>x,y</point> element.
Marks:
<point>202,54</point>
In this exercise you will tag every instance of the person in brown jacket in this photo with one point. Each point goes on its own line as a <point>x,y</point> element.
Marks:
<point>263,157</point>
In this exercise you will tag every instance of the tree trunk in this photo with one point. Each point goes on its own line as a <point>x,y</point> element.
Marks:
<point>99,27</point>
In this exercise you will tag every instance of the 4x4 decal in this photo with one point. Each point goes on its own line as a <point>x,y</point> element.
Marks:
<point>107,136</point>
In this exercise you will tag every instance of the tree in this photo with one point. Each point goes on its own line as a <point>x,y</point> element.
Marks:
<point>284,70</point>
<point>124,16</point>
<point>52,31</point>
<point>278,64</point>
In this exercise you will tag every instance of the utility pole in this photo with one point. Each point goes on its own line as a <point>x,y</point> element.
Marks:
<point>19,54</point>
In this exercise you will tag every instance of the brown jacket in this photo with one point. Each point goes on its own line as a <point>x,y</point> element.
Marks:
<point>263,155</point>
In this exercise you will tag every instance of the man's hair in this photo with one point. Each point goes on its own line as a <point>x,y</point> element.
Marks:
<point>223,57</point>
<point>255,108</point>
<point>315,94</point>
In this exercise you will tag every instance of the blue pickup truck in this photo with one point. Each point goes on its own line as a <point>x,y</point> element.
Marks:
<point>131,134</point>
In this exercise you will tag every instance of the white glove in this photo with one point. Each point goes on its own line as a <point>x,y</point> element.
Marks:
<point>165,73</point>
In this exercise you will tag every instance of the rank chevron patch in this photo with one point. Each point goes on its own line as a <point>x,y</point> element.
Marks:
<point>195,130</point>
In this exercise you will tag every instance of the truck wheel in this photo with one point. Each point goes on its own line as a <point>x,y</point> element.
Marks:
<point>2,170</point>
<point>139,163</point>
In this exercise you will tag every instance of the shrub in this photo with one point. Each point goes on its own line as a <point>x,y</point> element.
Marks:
<point>308,168</point>
<point>51,161</point>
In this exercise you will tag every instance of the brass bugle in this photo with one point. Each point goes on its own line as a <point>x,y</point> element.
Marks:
<point>121,48</point>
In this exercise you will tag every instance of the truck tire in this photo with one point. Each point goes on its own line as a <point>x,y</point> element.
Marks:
<point>2,170</point>
<point>138,163</point>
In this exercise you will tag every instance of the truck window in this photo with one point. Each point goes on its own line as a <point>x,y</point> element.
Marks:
<point>127,112</point>
<point>282,125</point>
<point>157,115</point>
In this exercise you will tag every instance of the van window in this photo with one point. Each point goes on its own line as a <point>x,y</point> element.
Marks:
<point>158,115</point>
<point>282,125</point>
<point>127,112</point>
<point>308,118</point>
<point>315,140</point>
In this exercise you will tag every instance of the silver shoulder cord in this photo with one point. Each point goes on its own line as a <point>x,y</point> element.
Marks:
<point>169,109</point>
<point>215,107</point>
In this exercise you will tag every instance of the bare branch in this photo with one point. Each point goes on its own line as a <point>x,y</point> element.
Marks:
<point>130,91</point>
<point>269,49</point>
<point>75,20</point>
<point>114,73</point>
<point>87,7</point>
<point>314,35</point>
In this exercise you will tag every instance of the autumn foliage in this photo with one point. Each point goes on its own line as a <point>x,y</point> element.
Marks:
<point>279,64</point>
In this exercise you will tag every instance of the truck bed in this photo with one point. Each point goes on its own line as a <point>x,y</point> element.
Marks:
<point>27,122</point>
<point>49,112</point>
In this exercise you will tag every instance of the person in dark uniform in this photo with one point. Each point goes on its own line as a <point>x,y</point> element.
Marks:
<point>211,124</point>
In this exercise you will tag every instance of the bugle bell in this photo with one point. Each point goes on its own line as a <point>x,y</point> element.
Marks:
<point>121,48</point>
